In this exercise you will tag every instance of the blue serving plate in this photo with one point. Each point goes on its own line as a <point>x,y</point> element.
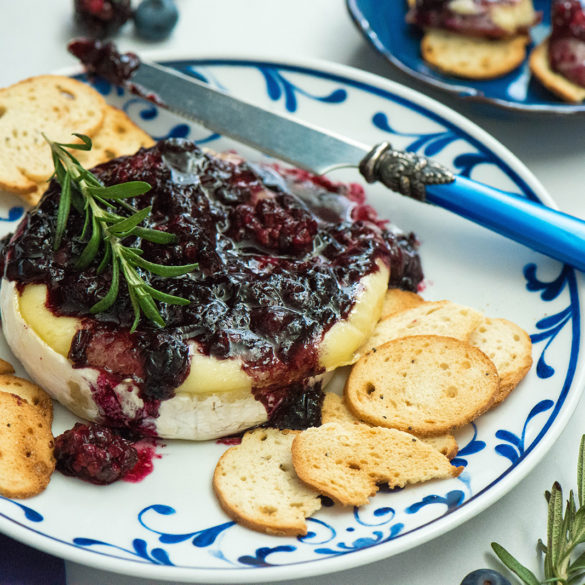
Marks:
<point>383,25</point>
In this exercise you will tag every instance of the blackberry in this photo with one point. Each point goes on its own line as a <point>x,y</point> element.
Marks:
<point>94,453</point>
<point>101,18</point>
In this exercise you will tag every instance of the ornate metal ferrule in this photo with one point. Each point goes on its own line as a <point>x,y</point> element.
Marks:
<point>404,172</point>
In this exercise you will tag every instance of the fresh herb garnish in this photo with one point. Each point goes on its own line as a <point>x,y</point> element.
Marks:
<point>105,228</point>
<point>563,565</point>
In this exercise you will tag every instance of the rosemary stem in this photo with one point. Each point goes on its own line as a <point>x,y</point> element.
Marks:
<point>109,220</point>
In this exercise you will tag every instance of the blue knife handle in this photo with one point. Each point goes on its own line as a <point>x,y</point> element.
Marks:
<point>556,234</point>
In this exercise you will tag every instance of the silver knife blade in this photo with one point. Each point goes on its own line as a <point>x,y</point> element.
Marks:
<point>314,149</point>
<point>280,135</point>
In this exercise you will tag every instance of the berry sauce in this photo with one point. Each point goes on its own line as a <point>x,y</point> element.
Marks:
<point>94,453</point>
<point>280,252</point>
<point>103,59</point>
<point>146,451</point>
<point>478,22</point>
<point>566,48</point>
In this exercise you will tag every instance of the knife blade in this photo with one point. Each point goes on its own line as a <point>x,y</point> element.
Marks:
<point>551,232</point>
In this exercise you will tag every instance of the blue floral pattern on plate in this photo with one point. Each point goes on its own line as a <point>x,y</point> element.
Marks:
<point>170,525</point>
<point>383,25</point>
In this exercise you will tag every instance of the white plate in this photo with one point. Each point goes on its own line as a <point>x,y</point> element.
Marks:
<point>170,527</point>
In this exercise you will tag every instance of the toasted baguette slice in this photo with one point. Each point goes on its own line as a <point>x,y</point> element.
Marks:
<point>54,105</point>
<point>472,57</point>
<point>397,300</point>
<point>425,384</point>
<point>346,462</point>
<point>509,347</point>
<point>30,392</point>
<point>428,318</point>
<point>445,444</point>
<point>6,367</point>
<point>335,410</point>
<point>553,81</point>
<point>117,136</point>
<point>257,486</point>
<point>26,448</point>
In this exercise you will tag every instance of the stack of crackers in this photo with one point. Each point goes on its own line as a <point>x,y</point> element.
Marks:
<point>429,368</point>
<point>26,441</point>
<point>57,106</point>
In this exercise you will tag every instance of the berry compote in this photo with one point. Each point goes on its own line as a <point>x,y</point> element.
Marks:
<point>468,17</point>
<point>94,453</point>
<point>103,59</point>
<point>566,47</point>
<point>281,256</point>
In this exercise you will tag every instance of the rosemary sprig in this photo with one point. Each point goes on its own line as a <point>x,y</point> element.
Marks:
<point>563,564</point>
<point>105,229</point>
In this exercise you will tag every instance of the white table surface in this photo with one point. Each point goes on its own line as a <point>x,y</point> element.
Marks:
<point>32,41</point>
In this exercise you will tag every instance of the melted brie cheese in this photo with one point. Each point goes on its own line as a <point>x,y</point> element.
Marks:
<point>214,401</point>
<point>339,344</point>
<point>209,374</point>
<point>56,332</point>
<point>509,17</point>
<point>512,17</point>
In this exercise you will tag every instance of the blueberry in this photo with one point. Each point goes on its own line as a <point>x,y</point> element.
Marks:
<point>155,19</point>
<point>485,577</point>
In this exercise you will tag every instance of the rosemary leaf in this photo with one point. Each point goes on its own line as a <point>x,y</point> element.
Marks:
<point>88,177</point>
<point>107,301</point>
<point>148,306</point>
<point>555,522</point>
<point>86,222</point>
<point>166,297</point>
<point>107,259</point>
<point>92,247</point>
<point>160,269</point>
<point>155,236</point>
<point>581,475</point>
<point>578,565</point>
<point>122,191</point>
<point>85,144</point>
<point>135,308</point>
<point>124,226</point>
<point>579,524</point>
<point>63,211</point>
<point>60,171</point>
<point>526,575</point>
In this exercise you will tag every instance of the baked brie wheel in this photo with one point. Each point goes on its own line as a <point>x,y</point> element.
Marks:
<point>292,274</point>
<point>198,410</point>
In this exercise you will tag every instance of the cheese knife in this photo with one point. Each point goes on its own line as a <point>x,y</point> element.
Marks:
<point>556,234</point>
